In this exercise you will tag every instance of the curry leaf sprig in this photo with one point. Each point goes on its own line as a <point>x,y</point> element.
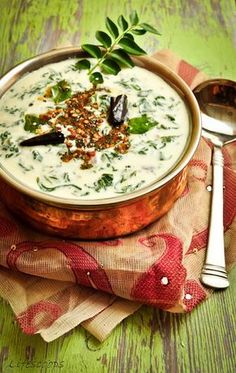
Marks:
<point>115,47</point>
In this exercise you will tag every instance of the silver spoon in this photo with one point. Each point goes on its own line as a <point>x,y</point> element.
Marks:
<point>217,101</point>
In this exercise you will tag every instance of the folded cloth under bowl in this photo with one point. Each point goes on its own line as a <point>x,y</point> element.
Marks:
<point>54,285</point>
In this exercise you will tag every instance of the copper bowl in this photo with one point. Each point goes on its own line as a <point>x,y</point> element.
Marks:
<point>111,217</point>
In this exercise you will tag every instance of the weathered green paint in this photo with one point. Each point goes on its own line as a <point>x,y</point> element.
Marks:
<point>149,341</point>
<point>202,32</point>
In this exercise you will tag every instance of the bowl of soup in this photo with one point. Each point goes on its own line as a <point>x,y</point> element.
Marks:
<point>121,161</point>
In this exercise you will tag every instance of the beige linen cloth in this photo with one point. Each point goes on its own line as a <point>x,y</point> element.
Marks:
<point>54,285</point>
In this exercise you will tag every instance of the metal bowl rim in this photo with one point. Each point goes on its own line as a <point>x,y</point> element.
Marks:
<point>175,81</point>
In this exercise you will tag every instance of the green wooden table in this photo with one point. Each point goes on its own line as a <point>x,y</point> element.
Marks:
<point>202,32</point>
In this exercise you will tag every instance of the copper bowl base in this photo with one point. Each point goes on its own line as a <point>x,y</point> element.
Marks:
<point>94,223</point>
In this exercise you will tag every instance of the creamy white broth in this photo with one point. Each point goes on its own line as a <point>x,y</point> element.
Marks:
<point>148,158</point>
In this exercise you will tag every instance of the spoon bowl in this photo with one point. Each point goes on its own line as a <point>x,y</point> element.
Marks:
<point>217,102</point>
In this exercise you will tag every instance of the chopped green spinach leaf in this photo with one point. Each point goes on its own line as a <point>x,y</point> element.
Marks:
<point>167,139</point>
<point>170,117</point>
<point>51,189</point>
<point>37,156</point>
<point>128,188</point>
<point>145,106</point>
<point>25,168</point>
<point>159,100</point>
<point>11,110</point>
<point>7,145</point>
<point>104,182</point>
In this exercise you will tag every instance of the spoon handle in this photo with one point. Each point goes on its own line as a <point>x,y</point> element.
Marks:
<point>214,272</point>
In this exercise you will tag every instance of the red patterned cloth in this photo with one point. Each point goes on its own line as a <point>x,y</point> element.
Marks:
<point>53,285</point>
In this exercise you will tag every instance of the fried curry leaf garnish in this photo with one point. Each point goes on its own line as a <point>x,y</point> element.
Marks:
<point>32,123</point>
<point>61,91</point>
<point>139,125</point>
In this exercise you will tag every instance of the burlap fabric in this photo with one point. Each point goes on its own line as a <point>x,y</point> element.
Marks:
<point>54,285</point>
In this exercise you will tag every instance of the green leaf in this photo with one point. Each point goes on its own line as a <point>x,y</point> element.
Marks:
<point>83,64</point>
<point>112,28</point>
<point>134,18</point>
<point>131,47</point>
<point>32,123</point>
<point>123,57</point>
<point>96,78</point>
<point>139,125</point>
<point>110,66</point>
<point>149,28</point>
<point>138,31</point>
<point>103,38</point>
<point>122,23</point>
<point>129,36</point>
<point>61,91</point>
<point>93,50</point>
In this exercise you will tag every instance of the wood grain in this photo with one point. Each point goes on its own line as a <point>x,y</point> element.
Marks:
<point>149,341</point>
<point>202,32</point>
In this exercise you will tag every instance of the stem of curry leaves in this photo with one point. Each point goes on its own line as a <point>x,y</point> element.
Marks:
<point>110,49</point>
<point>127,47</point>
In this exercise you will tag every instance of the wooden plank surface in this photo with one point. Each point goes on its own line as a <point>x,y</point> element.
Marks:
<point>202,32</point>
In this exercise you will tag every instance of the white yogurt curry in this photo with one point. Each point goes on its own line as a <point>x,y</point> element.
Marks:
<point>98,159</point>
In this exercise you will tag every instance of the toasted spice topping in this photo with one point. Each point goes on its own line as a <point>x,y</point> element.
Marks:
<point>83,119</point>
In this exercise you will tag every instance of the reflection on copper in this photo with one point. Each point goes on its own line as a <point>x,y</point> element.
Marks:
<point>101,223</point>
<point>117,218</point>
